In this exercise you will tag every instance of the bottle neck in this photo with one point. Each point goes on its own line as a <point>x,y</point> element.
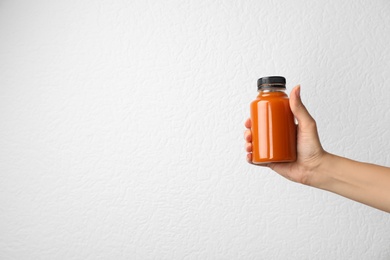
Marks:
<point>267,89</point>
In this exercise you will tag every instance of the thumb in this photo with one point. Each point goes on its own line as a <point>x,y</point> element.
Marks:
<point>299,110</point>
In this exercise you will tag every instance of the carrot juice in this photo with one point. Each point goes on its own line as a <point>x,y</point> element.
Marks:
<point>273,128</point>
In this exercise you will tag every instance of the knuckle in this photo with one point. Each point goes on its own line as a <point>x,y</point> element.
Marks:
<point>312,124</point>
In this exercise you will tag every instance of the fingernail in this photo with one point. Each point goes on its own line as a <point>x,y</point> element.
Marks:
<point>299,91</point>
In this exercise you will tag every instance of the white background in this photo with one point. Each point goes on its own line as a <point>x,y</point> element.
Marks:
<point>121,133</point>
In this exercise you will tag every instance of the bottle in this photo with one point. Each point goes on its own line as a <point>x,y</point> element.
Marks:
<point>273,127</point>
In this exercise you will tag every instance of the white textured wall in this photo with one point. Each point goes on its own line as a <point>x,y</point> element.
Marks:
<point>121,132</point>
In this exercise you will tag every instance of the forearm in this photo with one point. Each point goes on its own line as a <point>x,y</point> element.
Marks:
<point>362,182</point>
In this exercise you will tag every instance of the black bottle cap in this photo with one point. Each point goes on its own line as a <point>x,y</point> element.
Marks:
<point>273,81</point>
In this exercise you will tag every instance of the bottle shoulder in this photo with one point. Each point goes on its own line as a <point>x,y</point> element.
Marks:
<point>271,97</point>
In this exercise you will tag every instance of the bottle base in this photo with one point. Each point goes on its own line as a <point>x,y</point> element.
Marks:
<point>274,161</point>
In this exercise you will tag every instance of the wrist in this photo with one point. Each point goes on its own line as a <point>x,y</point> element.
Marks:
<point>317,174</point>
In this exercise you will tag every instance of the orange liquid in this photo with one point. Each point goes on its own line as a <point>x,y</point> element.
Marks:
<point>273,129</point>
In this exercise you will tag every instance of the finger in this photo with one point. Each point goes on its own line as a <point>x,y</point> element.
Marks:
<point>249,158</point>
<point>248,123</point>
<point>248,147</point>
<point>299,110</point>
<point>248,135</point>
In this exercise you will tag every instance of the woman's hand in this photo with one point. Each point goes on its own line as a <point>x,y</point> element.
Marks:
<point>362,182</point>
<point>309,150</point>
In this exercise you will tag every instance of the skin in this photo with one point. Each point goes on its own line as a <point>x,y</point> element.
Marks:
<point>363,182</point>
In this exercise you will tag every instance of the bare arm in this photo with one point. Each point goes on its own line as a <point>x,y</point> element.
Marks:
<point>362,182</point>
